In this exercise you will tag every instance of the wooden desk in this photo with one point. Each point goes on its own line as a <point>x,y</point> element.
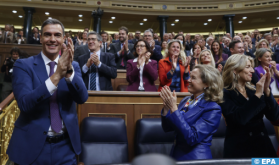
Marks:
<point>130,106</point>
<point>121,79</point>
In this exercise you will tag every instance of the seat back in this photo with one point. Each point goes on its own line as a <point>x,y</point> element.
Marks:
<point>151,138</point>
<point>103,141</point>
<point>271,133</point>
<point>218,139</point>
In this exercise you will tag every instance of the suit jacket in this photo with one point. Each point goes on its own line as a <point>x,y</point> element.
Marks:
<point>157,54</point>
<point>106,72</point>
<point>31,127</point>
<point>129,41</point>
<point>149,75</point>
<point>118,59</point>
<point>226,50</point>
<point>246,135</point>
<point>164,67</point>
<point>194,129</point>
<point>107,47</point>
<point>80,50</point>
<point>157,43</point>
<point>21,42</point>
<point>9,39</point>
<point>31,40</point>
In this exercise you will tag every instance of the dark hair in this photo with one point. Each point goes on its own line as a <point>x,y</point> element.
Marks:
<point>194,47</point>
<point>220,49</point>
<point>182,37</point>
<point>148,48</point>
<point>15,50</point>
<point>104,33</point>
<point>52,22</point>
<point>124,28</point>
<point>232,44</point>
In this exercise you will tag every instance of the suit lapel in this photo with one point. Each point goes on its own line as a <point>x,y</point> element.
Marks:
<point>102,57</point>
<point>40,68</point>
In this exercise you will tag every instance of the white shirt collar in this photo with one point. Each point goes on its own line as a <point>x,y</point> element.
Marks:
<point>47,60</point>
<point>136,60</point>
<point>98,52</point>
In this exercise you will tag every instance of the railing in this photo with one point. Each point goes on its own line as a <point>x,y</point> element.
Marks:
<point>9,112</point>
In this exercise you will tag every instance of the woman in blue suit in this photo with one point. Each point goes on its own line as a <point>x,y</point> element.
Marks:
<point>197,117</point>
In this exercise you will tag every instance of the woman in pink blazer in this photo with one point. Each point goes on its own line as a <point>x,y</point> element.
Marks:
<point>142,71</point>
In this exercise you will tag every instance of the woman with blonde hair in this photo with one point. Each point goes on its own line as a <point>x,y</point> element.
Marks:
<point>263,43</point>
<point>197,117</point>
<point>206,58</point>
<point>174,70</point>
<point>243,109</point>
<point>263,59</point>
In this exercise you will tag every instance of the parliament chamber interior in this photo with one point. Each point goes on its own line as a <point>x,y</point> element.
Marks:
<point>133,82</point>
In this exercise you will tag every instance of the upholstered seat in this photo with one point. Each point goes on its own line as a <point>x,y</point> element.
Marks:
<point>103,141</point>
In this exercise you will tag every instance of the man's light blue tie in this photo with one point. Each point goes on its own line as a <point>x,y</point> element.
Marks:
<point>93,77</point>
<point>55,119</point>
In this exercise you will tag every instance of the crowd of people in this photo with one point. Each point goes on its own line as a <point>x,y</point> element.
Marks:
<point>235,77</point>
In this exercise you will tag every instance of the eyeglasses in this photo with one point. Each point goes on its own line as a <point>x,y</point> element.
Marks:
<point>91,39</point>
<point>140,46</point>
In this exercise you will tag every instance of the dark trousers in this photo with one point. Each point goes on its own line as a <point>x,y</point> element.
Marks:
<point>56,154</point>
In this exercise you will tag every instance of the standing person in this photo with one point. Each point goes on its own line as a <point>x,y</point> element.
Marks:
<point>105,46</point>
<point>137,36</point>
<point>6,36</point>
<point>34,38</point>
<point>122,50</point>
<point>164,48</point>
<point>142,71</point>
<point>7,68</point>
<point>217,52</point>
<point>47,89</point>
<point>82,41</point>
<point>174,69</point>
<point>20,39</point>
<point>196,117</point>
<point>263,59</point>
<point>243,109</point>
<point>97,67</point>
<point>148,36</point>
<point>195,58</point>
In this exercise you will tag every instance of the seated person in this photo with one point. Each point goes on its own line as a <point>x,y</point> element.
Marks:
<point>122,50</point>
<point>97,68</point>
<point>174,69</point>
<point>195,57</point>
<point>34,38</point>
<point>142,71</point>
<point>7,68</point>
<point>243,109</point>
<point>196,117</point>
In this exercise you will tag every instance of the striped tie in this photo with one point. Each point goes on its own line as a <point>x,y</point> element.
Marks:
<point>93,77</point>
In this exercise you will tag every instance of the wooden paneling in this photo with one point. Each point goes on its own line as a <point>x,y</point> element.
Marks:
<point>130,106</point>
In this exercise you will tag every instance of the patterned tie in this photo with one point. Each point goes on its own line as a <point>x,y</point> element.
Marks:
<point>55,119</point>
<point>93,77</point>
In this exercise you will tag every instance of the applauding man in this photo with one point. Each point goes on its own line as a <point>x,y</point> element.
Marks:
<point>98,68</point>
<point>47,89</point>
<point>148,36</point>
<point>122,50</point>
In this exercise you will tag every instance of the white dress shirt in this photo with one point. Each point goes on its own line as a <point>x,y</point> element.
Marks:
<point>85,70</point>
<point>52,88</point>
<point>141,72</point>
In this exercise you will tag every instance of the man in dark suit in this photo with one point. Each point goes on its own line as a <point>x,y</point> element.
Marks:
<point>156,39</point>
<point>97,67</point>
<point>105,46</point>
<point>137,36</point>
<point>226,45</point>
<point>80,50</point>
<point>47,89</point>
<point>122,50</point>
<point>34,38</point>
<point>148,36</point>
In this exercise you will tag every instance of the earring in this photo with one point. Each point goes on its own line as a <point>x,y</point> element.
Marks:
<point>204,88</point>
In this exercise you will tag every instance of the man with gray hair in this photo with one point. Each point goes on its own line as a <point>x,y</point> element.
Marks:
<point>97,67</point>
<point>209,41</point>
<point>6,36</point>
<point>148,36</point>
<point>268,37</point>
